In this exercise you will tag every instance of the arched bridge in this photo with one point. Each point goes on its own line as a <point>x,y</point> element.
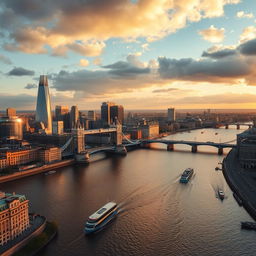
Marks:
<point>194,144</point>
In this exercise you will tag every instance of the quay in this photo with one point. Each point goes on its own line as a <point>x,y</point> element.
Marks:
<point>242,182</point>
<point>41,169</point>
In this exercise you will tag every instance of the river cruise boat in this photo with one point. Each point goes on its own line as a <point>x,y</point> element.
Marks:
<point>50,172</point>
<point>186,175</point>
<point>101,218</point>
<point>221,194</point>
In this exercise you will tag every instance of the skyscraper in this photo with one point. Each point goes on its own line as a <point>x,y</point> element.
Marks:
<point>74,116</point>
<point>91,115</point>
<point>117,112</point>
<point>105,111</point>
<point>171,115</point>
<point>60,111</point>
<point>43,107</point>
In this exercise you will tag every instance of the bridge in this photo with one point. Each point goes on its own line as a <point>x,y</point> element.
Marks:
<point>226,125</point>
<point>194,144</point>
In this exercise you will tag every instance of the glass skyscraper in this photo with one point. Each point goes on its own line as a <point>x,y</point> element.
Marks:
<point>43,107</point>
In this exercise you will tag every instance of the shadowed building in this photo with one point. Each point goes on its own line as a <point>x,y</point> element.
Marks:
<point>74,116</point>
<point>117,112</point>
<point>43,107</point>
<point>60,111</point>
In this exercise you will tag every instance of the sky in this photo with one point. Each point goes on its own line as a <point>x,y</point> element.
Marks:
<point>143,54</point>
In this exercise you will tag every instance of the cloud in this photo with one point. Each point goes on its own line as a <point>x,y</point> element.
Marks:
<point>97,61</point>
<point>212,34</point>
<point>242,14</point>
<point>84,63</point>
<point>20,72</point>
<point>248,33</point>
<point>218,54</point>
<point>5,60</point>
<point>30,86</point>
<point>165,90</point>
<point>83,26</point>
<point>248,48</point>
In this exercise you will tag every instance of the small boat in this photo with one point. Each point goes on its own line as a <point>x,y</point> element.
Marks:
<point>50,172</point>
<point>186,175</point>
<point>101,218</point>
<point>217,168</point>
<point>248,225</point>
<point>221,194</point>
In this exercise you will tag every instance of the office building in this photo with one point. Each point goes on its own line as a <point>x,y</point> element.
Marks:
<point>117,113</point>
<point>49,155</point>
<point>11,128</point>
<point>57,127</point>
<point>43,107</point>
<point>150,130</point>
<point>105,112</point>
<point>91,115</point>
<point>171,117</point>
<point>60,111</point>
<point>10,112</point>
<point>74,116</point>
<point>14,216</point>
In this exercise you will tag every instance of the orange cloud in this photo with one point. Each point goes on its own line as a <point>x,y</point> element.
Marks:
<point>212,34</point>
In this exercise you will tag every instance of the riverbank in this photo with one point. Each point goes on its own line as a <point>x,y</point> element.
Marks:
<point>37,170</point>
<point>38,243</point>
<point>242,182</point>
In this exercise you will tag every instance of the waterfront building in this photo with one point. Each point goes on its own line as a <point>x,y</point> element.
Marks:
<point>105,112</point>
<point>10,112</point>
<point>171,116</point>
<point>11,127</point>
<point>57,127</point>
<point>246,148</point>
<point>49,155</point>
<point>3,163</point>
<point>43,107</point>
<point>60,111</point>
<point>91,115</point>
<point>117,113</point>
<point>150,130</point>
<point>16,157</point>
<point>74,117</point>
<point>14,216</point>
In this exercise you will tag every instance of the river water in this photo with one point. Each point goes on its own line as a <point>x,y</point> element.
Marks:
<point>158,215</point>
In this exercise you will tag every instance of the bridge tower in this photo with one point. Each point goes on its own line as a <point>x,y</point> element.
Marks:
<point>78,140</point>
<point>117,137</point>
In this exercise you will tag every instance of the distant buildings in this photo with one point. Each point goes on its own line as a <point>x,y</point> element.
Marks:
<point>14,216</point>
<point>74,117</point>
<point>57,127</point>
<point>60,112</point>
<point>91,115</point>
<point>11,126</point>
<point>150,130</point>
<point>49,155</point>
<point>110,112</point>
<point>43,107</point>
<point>171,117</point>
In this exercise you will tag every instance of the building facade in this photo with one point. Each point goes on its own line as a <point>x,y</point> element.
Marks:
<point>11,128</point>
<point>43,107</point>
<point>171,116</point>
<point>60,111</point>
<point>14,216</point>
<point>105,112</point>
<point>74,116</point>
<point>50,155</point>
<point>117,113</point>
<point>57,127</point>
<point>91,115</point>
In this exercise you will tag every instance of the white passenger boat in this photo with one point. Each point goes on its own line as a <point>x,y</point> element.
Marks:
<point>100,218</point>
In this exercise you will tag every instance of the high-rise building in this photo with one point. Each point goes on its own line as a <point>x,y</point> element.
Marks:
<point>14,216</point>
<point>105,112</point>
<point>91,115</point>
<point>171,115</point>
<point>57,127</point>
<point>117,113</point>
<point>10,112</point>
<point>43,107</point>
<point>74,116</point>
<point>60,111</point>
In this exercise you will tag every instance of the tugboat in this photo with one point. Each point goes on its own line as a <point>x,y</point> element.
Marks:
<point>221,194</point>
<point>186,175</point>
<point>101,218</point>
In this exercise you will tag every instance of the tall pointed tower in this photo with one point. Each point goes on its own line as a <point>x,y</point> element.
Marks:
<point>43,107</point>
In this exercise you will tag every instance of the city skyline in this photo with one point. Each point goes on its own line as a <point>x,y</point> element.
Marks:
<point>190,55</point>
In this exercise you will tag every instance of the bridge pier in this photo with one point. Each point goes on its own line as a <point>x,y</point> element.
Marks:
<point>82,158</point>
<point>250,126</point>
<point>145,145</point>
<point>194,149</point>
<point>226,126</point>
<point>170,147</point>
<point>238,126</point>
<point>220,151</point>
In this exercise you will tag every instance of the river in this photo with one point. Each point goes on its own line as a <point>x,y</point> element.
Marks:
<point>158,215</point>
